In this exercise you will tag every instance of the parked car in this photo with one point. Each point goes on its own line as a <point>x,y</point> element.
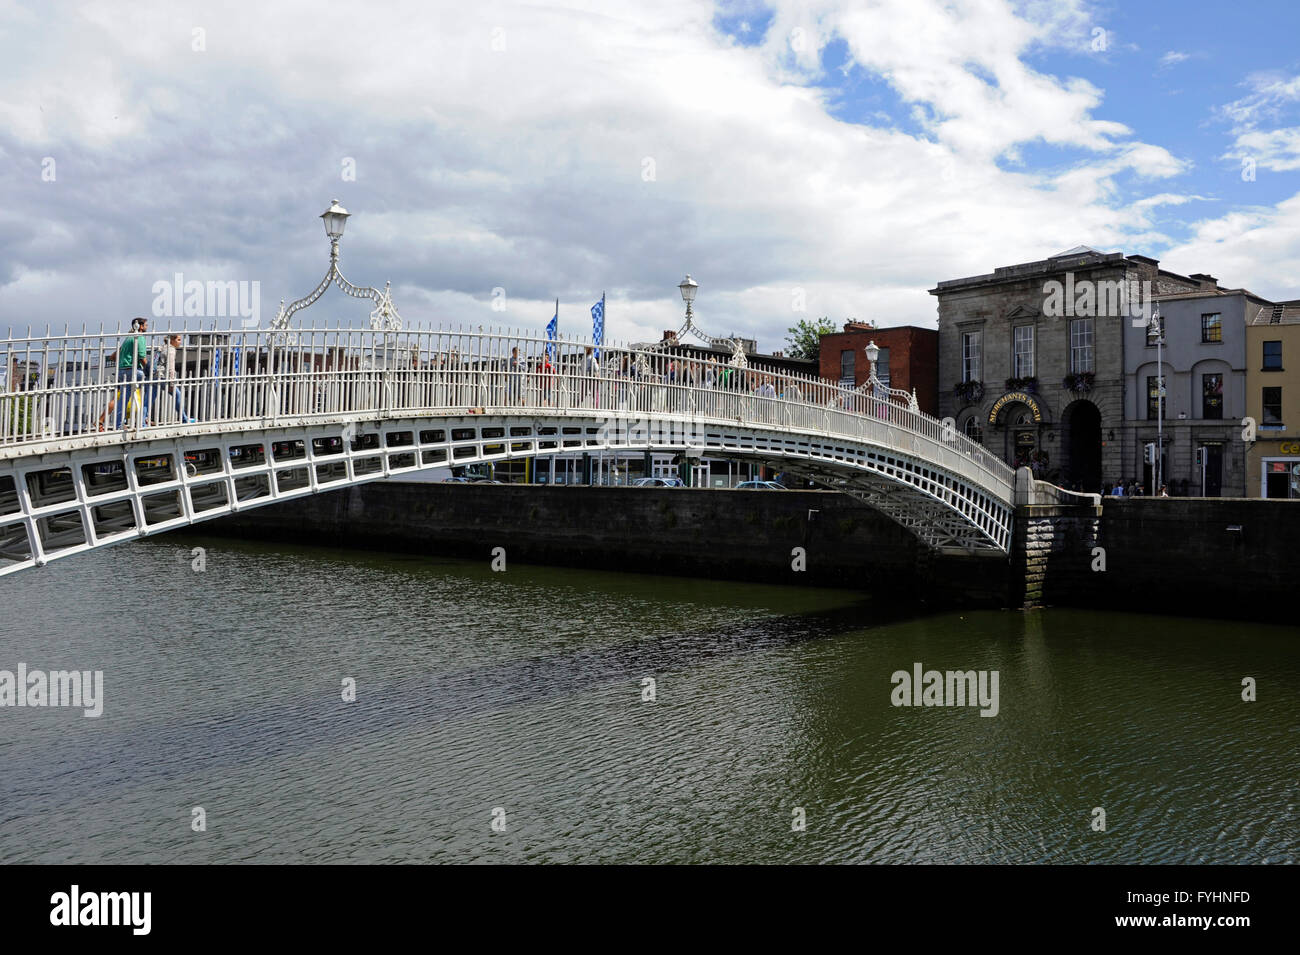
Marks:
<point>658,482</point>
<point>455,480</point>
<point>760,486</point>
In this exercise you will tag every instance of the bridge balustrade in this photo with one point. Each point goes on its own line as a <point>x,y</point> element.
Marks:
<point>63,386</point>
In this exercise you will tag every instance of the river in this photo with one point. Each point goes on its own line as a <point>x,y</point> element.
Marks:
<point>508,717</point>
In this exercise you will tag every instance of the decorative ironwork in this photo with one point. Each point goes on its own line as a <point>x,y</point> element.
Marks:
<point>383,318</point>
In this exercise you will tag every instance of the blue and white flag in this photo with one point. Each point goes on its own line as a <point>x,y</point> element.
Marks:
<point>598,323</point>
<point>552,329</point>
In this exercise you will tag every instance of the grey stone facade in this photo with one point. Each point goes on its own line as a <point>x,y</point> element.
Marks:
<point>1189,420</point>
<point>1070,437</point>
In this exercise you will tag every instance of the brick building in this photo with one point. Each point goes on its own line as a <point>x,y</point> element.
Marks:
<point>1031,359</point>
<point>909,359</point>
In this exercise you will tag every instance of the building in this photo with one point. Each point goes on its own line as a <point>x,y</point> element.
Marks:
<point>1031,359</point>
<point>909,359</point>
<point>1273,401</point>
<point>673,347</point>
<point>1202,373</point>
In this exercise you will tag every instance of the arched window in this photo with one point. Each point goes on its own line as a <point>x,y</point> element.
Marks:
<point>973,429</point>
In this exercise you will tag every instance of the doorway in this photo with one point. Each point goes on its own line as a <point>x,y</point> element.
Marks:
<point>1213,469</point>
<point>1081,422</point>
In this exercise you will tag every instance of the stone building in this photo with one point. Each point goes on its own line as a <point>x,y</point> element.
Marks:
<point>1031,359</point>
<point>1273,400</point>
<point>1202,370</point>
<point>909,359</point>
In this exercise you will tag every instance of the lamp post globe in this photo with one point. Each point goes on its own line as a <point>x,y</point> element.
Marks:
<point>873,352</point>
<point>335,218</point>
<point>688,288</point>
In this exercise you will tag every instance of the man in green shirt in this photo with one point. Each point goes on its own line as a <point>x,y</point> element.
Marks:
<point>133,366</point>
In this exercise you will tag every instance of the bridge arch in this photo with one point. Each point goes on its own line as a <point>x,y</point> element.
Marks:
<point>341,407</point>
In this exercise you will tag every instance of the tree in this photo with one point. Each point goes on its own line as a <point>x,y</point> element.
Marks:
<point>805,338</point>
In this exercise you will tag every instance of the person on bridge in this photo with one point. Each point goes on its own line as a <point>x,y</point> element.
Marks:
<point>168,375</point>
<point>516,376</point>
<point>133,366</point>
<point>591,375</point>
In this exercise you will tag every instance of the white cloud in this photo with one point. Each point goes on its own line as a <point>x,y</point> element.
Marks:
<point>506,145</point>
<point>1272,98</point>
<point>1173,58</point>
<point>1255,248</point>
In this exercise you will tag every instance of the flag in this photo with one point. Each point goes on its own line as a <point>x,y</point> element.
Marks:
<point>598,323</point>
<point>552,328</point>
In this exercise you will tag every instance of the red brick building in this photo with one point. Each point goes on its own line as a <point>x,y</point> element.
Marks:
<point>909,358</point>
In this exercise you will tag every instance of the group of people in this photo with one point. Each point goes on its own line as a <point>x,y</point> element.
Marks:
<point>144,378</point>
<point>628,373</point>
<point>1134,488</point>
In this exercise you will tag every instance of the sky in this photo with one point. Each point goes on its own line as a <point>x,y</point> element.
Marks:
<point>823,158</point>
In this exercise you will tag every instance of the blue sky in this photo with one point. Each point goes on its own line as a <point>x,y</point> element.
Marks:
<point>838,157</point>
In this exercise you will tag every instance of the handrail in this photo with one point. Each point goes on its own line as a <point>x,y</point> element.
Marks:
<point>61,385</point>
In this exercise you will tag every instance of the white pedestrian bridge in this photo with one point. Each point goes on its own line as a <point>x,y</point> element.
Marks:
<point>252,417</point>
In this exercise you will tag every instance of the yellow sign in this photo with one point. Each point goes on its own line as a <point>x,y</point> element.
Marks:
<point>1012,398</point>
<point>1290,448</point>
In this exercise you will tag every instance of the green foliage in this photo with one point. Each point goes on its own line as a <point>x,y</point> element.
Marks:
<point>17,414</point>
<point>804,338</point>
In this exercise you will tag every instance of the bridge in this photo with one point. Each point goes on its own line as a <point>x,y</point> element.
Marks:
<point>253,417</point>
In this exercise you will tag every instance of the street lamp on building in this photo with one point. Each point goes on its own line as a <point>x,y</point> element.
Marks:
<point>1157,326</point>
<point>873,352</point>
<point>384,317</point>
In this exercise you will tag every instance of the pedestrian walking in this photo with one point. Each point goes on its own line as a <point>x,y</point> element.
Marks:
<point>133,367</point>
<point>167,374</point>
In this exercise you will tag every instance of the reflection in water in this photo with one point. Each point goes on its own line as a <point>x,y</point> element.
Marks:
<point>524,691</point>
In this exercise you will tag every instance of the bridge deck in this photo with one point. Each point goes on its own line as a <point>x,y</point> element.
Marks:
<point>252,417</point>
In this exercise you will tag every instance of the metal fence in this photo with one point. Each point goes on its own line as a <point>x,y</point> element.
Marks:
<point>63,386</point>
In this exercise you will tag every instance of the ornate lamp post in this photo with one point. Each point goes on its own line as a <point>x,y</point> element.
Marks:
<point>383,318</point>
<point>688,288</point>
<point>873,352</point>
<point>1160,400</point>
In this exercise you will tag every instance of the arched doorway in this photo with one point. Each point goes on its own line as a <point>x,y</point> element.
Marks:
<point>1081,441</point>
<point>1019,424</point>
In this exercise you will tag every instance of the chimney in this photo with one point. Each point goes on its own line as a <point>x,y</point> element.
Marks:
<point>1206,282</point>
<point>856,326</point>
<point>670,335</point>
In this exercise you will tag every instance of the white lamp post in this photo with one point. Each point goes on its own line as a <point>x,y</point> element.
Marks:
<point>1160,401</point>
<point>383,318</point>
<point>335,218</point>
<point>873,352</point>
<point>688,288</point>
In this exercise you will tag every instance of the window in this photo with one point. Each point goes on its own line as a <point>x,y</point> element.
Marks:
<point>1155,396</point>
<point>1212,396</point>
<point>882,367</point>
<point>1272,407</point>
<point>970,356</point>
<point>1081,359</point>
<point>1212,328</point>
<point>1024,351</point>
<point>1272,356</point>
<point>1155,329</point>
<point>1279,481</point>
<point>973,429</point>
<point>846,368</point>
